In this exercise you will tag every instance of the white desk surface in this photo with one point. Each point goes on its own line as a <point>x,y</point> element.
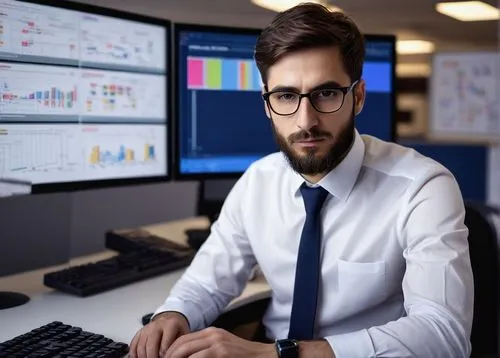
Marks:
<point>116,314</point>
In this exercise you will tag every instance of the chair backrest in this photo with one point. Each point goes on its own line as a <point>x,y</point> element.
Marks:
<point>483,246</point>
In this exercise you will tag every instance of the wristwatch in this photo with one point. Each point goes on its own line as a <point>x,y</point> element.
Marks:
<point>287,348</point>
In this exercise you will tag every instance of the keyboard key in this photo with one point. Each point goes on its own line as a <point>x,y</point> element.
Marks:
<point>84,344</point>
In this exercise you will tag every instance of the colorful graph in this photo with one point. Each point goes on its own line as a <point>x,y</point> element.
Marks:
<point>28,29</point>
<point>149,152</point>
<point>223,74</point>
<point>123,154</point>
<point>53,97</point>
<point>120,94</point>
<point>37,89</point>
<point>110,95</point>
<point>2,31</point>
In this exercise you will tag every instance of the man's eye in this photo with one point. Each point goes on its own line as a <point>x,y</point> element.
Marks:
<point>328,93</point>
<point>287,96</point>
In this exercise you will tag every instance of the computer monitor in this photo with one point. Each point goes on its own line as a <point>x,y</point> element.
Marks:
<point>221,124</point>
<point>84,95</point>
<point>84,98</point>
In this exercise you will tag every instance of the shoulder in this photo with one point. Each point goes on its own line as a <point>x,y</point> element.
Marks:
<point>395,160</point>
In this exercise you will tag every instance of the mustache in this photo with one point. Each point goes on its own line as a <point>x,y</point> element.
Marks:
<point>312,134</point>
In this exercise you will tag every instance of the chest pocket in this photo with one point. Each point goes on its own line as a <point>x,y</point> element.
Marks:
<point>361,284</point>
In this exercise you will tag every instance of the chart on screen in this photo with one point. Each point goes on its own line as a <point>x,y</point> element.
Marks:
<point>39,152</point>
<point>118,94</point>
<point>27,29</point>
<point>24,90</point>
<point>211,73</point>
<point>123,149</point>
<point>126,45</point>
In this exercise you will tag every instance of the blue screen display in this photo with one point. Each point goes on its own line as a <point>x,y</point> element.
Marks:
<point>223,127</point>
<point>467,163</point>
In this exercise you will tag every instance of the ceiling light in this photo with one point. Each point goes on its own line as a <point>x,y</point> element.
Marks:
<point>408,47</point>
<point>468,10</point>
<point>282,5</point>
<point>413,69</point>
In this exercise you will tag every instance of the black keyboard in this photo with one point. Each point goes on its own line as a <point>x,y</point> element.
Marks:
<point>61,340</point>
<point>117,271</point>
<point>138,239</point>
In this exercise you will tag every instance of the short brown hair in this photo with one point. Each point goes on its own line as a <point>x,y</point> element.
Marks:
<point>306,26</point>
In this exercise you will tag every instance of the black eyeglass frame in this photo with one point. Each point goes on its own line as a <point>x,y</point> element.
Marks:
<point>345,91</point>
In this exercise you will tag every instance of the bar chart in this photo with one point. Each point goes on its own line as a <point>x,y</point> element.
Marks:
<point>24,90</point>
<point>208,73</point>
<point>120,146</point>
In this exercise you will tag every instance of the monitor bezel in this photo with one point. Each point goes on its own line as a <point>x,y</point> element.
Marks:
<point>118,182</point>
<point>176,151</point>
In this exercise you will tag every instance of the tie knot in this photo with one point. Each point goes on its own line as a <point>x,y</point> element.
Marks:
<point>313,198</point>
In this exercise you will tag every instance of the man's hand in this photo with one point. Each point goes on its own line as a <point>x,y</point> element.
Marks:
<point>153,340</point>
<point>218,343</point>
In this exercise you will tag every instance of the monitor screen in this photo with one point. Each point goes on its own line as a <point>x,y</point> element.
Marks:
<point>222,126</point>
<point>80,103</point>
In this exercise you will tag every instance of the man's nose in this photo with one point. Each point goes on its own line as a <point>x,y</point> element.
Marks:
<point>306,115</point>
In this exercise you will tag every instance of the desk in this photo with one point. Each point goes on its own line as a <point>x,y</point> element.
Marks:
<point>116,314</point>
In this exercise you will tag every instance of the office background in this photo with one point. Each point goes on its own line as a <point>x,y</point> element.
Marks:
<point>79,219</point>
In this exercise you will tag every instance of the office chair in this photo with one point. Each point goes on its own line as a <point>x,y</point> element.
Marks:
<point>483,246</point>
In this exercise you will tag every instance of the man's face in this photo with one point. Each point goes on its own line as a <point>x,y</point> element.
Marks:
<point>314,142</point>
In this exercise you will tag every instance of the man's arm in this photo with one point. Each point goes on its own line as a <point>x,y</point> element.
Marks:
<point>317,349</point>
<point>215,342</point>
<point>220,269</point>
<point>437,286</point>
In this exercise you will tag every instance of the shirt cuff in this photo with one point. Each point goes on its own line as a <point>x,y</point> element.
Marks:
<point>352,345</point>
<point>188,309</point>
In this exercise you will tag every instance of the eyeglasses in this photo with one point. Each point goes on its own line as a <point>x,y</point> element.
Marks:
<point>325,100</point>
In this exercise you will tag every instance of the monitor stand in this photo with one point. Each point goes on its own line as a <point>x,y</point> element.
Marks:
<point>211,196</point>
<point>12,299</point>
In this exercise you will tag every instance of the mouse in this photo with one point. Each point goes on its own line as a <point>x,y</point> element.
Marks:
<point>146,318</point>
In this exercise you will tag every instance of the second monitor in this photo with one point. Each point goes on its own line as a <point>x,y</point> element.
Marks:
<point>221,123</point>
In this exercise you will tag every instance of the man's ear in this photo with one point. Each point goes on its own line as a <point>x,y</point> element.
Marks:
<point>266,107</point>
<point>359,96</point>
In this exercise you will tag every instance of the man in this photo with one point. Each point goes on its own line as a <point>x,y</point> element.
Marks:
<point>362,242</point>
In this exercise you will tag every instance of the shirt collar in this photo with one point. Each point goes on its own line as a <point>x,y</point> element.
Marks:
<point>340,181</point>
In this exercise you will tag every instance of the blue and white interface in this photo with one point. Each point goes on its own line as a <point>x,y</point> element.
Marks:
<point>223,126</point>
<point>79,102</point>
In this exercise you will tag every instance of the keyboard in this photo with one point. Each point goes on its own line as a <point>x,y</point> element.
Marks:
<point>120,270</point>
<point>57,339</point>
<point>138,239</point>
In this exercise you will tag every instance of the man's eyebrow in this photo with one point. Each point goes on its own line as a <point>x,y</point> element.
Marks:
<point>325,85</point>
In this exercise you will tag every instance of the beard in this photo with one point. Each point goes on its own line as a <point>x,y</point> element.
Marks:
<point>311,163</point>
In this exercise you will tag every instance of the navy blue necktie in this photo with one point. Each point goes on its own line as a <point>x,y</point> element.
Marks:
<point>307,273</point>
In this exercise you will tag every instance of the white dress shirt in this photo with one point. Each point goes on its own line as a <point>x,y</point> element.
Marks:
<point>396,279</point>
